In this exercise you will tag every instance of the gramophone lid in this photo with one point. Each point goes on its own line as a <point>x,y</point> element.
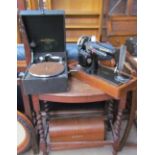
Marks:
<point>45,29</point>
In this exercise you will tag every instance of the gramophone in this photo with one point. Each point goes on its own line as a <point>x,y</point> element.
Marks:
<point>47,71</point>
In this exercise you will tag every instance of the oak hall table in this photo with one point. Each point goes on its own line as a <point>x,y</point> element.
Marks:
<point>79,92</point>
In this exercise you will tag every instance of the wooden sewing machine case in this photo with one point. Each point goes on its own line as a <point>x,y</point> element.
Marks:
<point>45,31</point>
<point>81,128</point>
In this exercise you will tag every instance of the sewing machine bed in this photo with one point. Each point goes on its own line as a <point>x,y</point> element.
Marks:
<point>109,75</point>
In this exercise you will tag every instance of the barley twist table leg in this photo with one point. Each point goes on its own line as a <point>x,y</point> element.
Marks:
<point>46,107</point>
<point>36,106</point>
<point>41,132</point>
<point>111,111</point>
<point>117,131</point>
<point>117,125</point>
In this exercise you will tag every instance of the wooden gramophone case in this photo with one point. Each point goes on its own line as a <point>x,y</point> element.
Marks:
<point>45,30</point>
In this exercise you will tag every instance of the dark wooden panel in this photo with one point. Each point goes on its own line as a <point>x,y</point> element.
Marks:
<point>122,25</point>
<point>118,40</point>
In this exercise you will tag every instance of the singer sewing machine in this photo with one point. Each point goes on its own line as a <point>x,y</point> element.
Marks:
<point>90,69</point>
<point>91,53</point>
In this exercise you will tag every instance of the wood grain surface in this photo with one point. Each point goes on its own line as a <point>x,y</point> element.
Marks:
<point>84,128</point>
<point>77,95</point>
<point>116,92</point>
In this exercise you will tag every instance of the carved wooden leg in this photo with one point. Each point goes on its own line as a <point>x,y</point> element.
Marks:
<point>117,129</point>
<point>110,114</point>
<point>130,121</point>
<point>46,107</point>
<point>111,111</point>
<point>43,143</point>
<point>46,127</point>
<point>117,125</point>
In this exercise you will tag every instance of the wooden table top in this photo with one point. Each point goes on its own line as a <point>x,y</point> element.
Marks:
<point>78,92</point>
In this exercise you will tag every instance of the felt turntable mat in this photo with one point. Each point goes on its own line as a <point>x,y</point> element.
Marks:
<point>46,69</point>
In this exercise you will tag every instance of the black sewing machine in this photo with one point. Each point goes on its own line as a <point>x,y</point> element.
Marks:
<point>92,52</point>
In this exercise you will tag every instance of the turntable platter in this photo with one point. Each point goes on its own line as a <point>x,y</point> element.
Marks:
<point>46,69</point>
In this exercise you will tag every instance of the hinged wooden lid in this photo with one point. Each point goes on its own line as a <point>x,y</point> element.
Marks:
<point>45,30</point>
